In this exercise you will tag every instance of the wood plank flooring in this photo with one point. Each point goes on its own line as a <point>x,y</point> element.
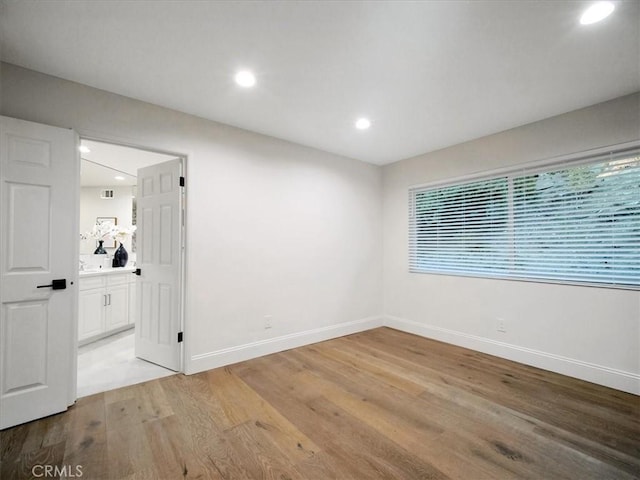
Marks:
<point>379,404</point>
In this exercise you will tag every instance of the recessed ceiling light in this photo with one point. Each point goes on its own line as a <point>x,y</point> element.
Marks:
<point>118,177</point>
<point>84,149</point>
<point>363,123</point>
<point>245,78</point>
<point>596,12</point>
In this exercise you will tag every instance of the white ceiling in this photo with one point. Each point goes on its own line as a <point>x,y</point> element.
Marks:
<point>428,74</point>
<point>105,161</point>
<point>96,175</point>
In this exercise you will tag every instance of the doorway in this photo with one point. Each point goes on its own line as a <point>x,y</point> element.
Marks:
<point>110,295</point>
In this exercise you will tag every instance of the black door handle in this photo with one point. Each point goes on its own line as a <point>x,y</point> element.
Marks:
<point>59,284</point>
<point>137,271</point>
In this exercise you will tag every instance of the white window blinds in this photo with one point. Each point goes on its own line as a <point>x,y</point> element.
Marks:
<point>573,224</point>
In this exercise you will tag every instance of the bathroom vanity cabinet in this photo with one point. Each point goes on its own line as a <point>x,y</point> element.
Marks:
<point>106,303</point>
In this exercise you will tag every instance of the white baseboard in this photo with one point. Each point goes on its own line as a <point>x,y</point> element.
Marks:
<point>609,377</point>
<point>228,356</point>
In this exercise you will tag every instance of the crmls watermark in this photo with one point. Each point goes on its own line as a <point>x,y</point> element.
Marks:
<point>56,471</point>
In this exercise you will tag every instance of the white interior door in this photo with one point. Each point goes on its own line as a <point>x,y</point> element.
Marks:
<point>39,178</point>
<point>159,258</point>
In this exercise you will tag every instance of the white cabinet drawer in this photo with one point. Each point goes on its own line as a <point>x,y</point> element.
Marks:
<point>118,279</point>
<point>91,282</point>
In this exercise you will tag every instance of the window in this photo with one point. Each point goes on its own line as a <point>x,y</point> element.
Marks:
<point>578,223</point>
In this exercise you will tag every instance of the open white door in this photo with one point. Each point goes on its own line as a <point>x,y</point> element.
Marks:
<point>159,258</point>
<point>39,178</point>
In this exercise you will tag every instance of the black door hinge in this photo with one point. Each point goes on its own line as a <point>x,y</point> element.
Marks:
<point>179,337</point>
<point>182,181</point>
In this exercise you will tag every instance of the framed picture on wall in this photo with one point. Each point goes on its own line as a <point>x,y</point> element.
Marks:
<point>111,243</point>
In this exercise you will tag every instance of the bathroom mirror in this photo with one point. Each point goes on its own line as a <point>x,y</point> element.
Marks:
<point>109,185</point>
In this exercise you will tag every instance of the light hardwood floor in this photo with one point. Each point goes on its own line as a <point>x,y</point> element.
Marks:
<point>379,404</point>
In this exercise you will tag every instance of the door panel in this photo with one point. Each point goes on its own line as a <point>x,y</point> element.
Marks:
<point>166,229</point>
<point>160,260</point>
<point>165,310</point>
<point>39,178</point>
<point>26,333</point>
<point>145,224</point>
<point>24,238</point>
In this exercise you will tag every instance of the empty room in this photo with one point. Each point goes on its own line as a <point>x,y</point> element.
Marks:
<point>320,239</point>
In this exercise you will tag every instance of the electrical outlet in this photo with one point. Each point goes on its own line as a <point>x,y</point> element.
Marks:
<point>268,321</point>
<point>501,325</point>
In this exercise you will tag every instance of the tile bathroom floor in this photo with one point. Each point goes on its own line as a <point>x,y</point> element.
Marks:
<point>111,363</point>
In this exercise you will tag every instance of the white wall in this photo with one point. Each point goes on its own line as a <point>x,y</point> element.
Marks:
<point>273,228</point>
<point>591,333</point>
<point>92,207</point>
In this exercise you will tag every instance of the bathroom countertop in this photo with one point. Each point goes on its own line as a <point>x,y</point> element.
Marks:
<point>105,271</point>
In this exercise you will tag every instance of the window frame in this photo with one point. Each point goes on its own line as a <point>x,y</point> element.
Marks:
<point>528,168</point>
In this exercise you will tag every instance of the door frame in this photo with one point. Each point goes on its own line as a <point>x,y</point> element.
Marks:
<point>183,236</point>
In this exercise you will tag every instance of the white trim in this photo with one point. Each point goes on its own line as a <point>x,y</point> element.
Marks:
<point>94,136</point>
<point>527,167</point>
<point>73,387</point>
<point>599,374</point>
<point>240,353</point>
<point>183,259</point>
<point>100,336</point>
<point>602,375</point>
